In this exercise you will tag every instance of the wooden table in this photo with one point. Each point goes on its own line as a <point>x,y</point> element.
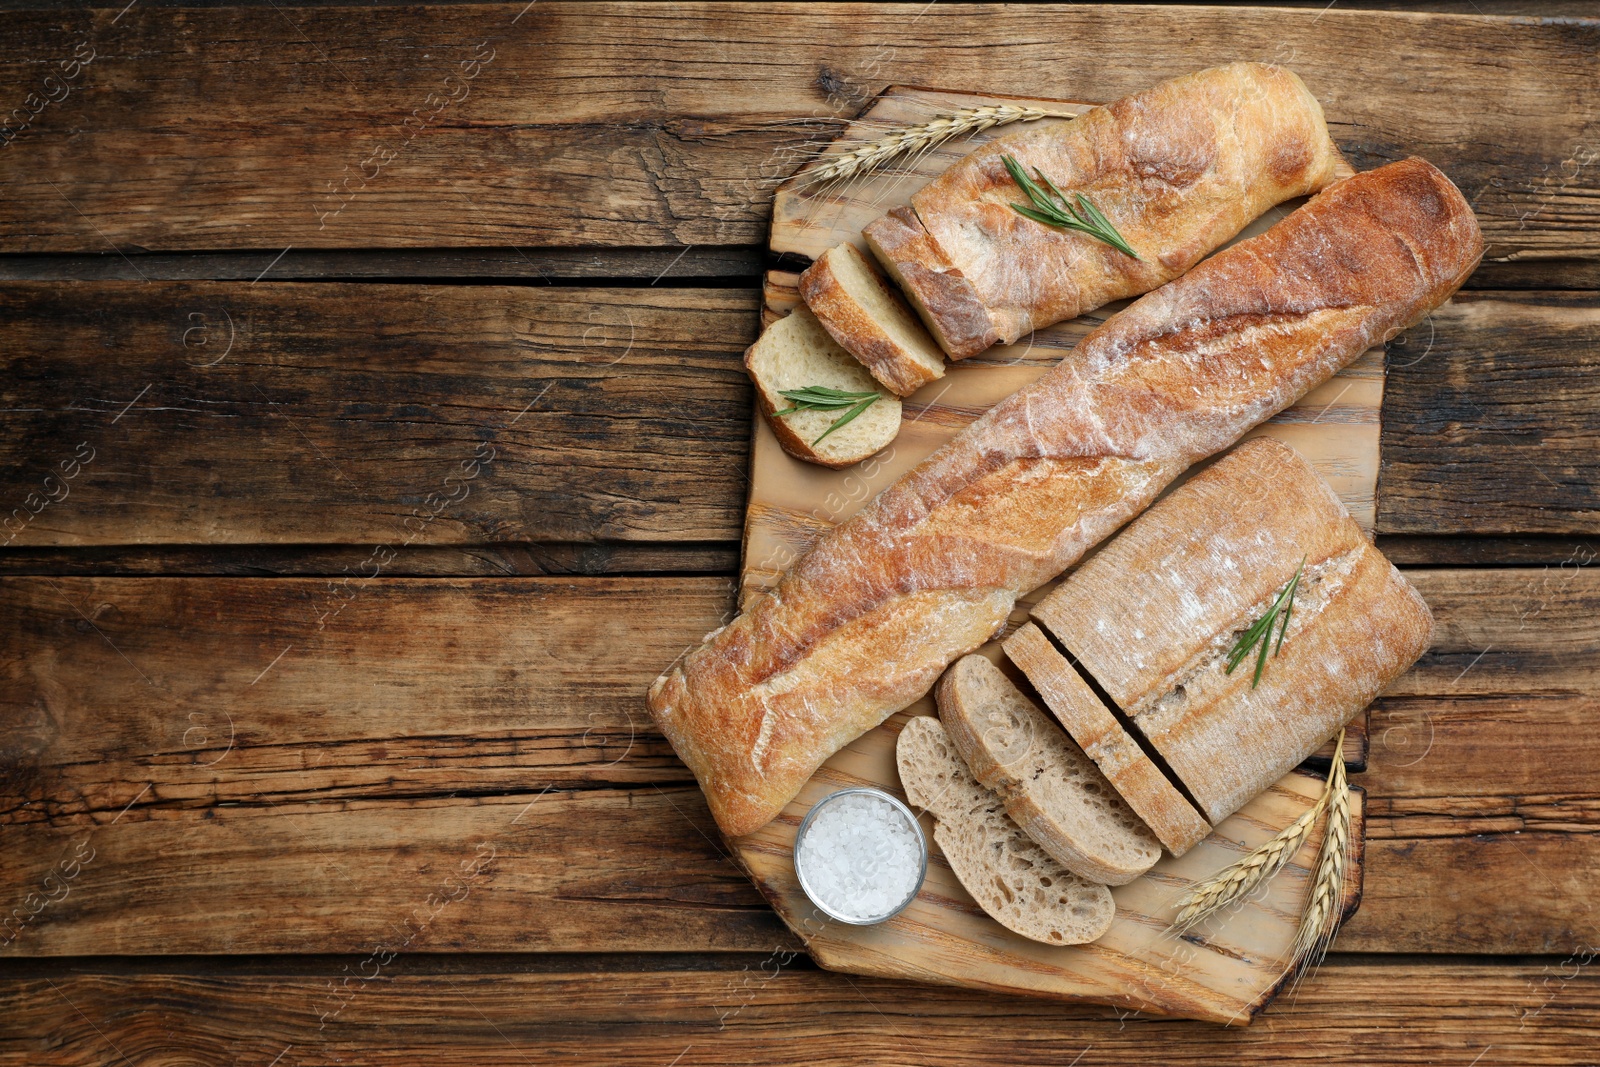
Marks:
<point>374,431</point>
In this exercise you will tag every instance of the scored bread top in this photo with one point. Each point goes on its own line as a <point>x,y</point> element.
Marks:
<point>1152,618</point>
<point>1015,881</point>
<point>795,352</point>
<point>1050,788</point>
<point>1142,784</point>
<point>869,320</point>
<point>1178,169</point>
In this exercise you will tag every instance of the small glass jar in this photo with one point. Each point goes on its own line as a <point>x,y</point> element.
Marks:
<point>806,860</point>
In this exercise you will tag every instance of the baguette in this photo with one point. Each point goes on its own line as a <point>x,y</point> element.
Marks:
<point>865,622</point>
<point>1142,784</point>
<point>1050,788</point>
<point>1015,881</point>
<point>869,320</point>
<point>1178,169</point>
<point>1191,574</point>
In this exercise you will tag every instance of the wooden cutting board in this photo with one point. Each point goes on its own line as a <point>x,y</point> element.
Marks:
<point>1224,970</point>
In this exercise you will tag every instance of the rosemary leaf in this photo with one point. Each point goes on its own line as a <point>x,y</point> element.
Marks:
<point>846,417</point>
<point>1084,218</point>
<point>824,398</point>
<point>1258,637</point>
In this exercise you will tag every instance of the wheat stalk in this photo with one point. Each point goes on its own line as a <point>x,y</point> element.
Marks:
<point>923,137</point>
<point>1237,880</point>
<point>1320,920</point>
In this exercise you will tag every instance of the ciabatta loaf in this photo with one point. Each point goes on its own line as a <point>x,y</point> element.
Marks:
<point>1192,574</point>
<point>1142,784</point>
<point>869,320</point>
<point>1012,878</point>
<point>865,623</point>
<point>1049,787</point>
<point>1179,169</point>
<point>796,352</point>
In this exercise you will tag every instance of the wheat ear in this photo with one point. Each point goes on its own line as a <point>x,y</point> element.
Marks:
<point>1239,879</point>
<point>923,137</point>
<point>1320,920</point>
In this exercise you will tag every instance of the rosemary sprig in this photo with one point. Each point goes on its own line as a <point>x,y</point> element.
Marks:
<point>822,398</point>
<point>1260,631</point>
<point>1085,217</point>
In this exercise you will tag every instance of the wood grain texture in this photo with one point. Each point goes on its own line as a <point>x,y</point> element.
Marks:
<point>547,558</point>
<point>371,415</point>
<point>291,437</point>
<point>1514,379</point>
<point>770,1009</point>
<point>423,717</point>
<point>666,266</point>
<point>678,121</point>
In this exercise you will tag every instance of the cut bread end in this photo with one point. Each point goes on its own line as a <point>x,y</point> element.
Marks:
<point>946,301</point>
<point>869,319</point>
<point>796,352</point>
<point>1013,880</point>
<point>1049,786</point>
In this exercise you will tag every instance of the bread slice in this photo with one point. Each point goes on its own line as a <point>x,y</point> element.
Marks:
<point>859,309</point>
<point>1010,876</point>
<point>1192,574</point>
<point>1142,784</point>
<point>796,352</point>
<point>1050,788</point>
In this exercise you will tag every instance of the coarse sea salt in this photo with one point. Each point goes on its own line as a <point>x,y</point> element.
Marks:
<point>860,857</point>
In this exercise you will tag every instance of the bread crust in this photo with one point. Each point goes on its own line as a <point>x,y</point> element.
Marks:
<point>857,332</point>
<point>1197,569</point>
<point>1004,766</point>
<point>865,623</point>
<point>1179,169</point>
<point>946,302</point>
<point>1174,821</point>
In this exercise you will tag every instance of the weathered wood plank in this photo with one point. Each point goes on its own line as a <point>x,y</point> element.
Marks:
<point>228,691</point>
<point>1425,550</point>
<point>770,1009</point>
<point>333,770</point>
<point>1491,423</point>
<point>339,409</point>
<point>616,266</point>
<point>370,414</point>
<point>629,124</point>
<point>506,559</point>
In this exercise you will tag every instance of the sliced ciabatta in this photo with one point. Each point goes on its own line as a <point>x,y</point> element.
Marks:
<point>1193,574</point>
<point>869,319</point>
<point>796,353</point>
<point>1049,787</point>
<point>1142,784</point>
<point>1015,881</point>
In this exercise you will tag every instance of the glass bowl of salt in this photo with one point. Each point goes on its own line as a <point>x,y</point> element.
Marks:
<point>860,856</point>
